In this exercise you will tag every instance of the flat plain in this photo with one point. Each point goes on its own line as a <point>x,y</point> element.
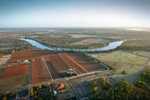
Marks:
<point>121,61</point>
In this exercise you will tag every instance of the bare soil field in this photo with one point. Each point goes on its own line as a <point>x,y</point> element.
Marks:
<point>14,70</point>
<point>39,72</point>
<point>13,83</point>
<point>73,63</point>
<point>87,63</point>
<point>27,54</point>
<point>56,65</point>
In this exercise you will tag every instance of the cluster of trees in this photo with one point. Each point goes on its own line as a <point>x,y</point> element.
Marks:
<point>136,45</point>
<point>64,41</point>
<point>123,90</point>
<point>7,45</point>
<point>144,81</point>
<point>8,96</point>
<point>42,92</point>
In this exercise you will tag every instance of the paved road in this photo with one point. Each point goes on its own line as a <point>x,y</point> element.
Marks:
<point>29,73</point>
<point>99,74</point>
<point>76,94</point>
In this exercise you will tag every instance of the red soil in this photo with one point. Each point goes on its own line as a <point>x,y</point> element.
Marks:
<point>56,65</point>
<point>73,63</point>
<point>15,70</point>
<point>27,55</point>
<point>39,72</point>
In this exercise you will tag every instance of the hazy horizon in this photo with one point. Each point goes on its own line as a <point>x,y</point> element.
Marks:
<point>74,13</point>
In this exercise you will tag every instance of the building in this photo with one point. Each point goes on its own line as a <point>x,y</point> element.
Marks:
<point>61,86</point>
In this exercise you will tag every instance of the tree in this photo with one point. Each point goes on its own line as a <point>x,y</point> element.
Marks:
<point>123,72</point>
<point>13,51</point>
<point>4,98</point>
<point>31,92</point>
<point>123,90</point>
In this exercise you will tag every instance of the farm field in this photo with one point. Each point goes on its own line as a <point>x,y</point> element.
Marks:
<point>39,72</point>
<point>73,63</point>
<point>27,55</point>
<point>56,65</point>
<point>143,53</point>
<point>82,36</point>
<point>14,70</point>
<point>14,76</point>
<point>45,66</point>
<point>13,83</point>
<point>121,61</point>
<point>87,63</point>
<point>90,41</point>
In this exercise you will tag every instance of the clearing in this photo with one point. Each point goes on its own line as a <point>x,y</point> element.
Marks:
<point>121,61</point>
<point>4,60</point>
<point>91,41</point>
<point>82,36</point>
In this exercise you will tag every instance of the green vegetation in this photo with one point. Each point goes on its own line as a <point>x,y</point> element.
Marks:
<point>7,45</point>
<point>67,41</point>
<point>84,38</point>
<point>141,44</point>
<point>142,53</point>
<point>123,90</point>
<point>123,57</point>
<point>126,65</point>
<point>123,72</point>
<point>41,92</point>
<point>144,80</point>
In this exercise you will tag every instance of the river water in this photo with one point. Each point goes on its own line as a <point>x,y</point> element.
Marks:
<point>112,45</point>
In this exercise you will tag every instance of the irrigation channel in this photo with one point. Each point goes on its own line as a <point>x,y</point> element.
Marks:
<point>112,45</point>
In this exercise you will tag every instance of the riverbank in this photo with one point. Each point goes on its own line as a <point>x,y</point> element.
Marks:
<point>111,46</point>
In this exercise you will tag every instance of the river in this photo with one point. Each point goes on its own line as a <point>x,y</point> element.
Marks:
<point>112,45</point>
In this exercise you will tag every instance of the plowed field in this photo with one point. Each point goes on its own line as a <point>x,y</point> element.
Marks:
<point>56,65</point>
<point>72,63</point>
<point>27,55</point>
<point>39,72</point>
<point>15,70</point>
<point>87,63</point>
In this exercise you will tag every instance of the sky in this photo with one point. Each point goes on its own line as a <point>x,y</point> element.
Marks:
<point>74,13</point>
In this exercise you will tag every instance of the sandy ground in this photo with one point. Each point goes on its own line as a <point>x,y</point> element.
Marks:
<point>4,60</point>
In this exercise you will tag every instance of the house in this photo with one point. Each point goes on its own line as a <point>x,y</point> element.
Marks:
<point>61,86</point>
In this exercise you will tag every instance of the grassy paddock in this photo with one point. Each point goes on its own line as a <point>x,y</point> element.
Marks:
<point>121,61</point>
